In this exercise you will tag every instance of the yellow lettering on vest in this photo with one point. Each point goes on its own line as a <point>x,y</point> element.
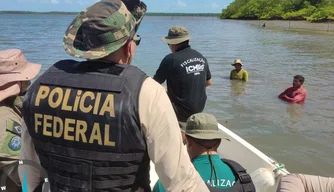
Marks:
<point>76,101</point>
<point>97,103</point>
<point>68,128</point>
<point>37,121</point>
<point>81,129</point>
<point>107,142</point>
<point>96,134</point>
<point>47,125</point>
<point>108,105</point>
<point>58,127</point>
<point>65,105</point>
<point>82,102</point>
<point>56,91</point>
<point>42,93</point>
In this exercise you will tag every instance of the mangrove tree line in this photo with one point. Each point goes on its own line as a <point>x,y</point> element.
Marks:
<point>311,10</point>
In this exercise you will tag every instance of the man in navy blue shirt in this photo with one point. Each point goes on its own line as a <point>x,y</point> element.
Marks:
<point>187,73</point>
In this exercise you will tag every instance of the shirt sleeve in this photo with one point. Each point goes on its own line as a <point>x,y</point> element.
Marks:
<point>208,72</point>
<point>283,93</point>
<point>302,182</point>
<point>164,140</point>
<point>3,126</point>
<point>245,78</point>
<point>28,153</point>
<point>162,72</point>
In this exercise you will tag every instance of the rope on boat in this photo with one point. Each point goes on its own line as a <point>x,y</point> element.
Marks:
<point>279,167</point>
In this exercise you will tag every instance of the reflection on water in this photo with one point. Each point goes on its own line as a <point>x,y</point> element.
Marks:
<point>296,112</point>
<point>238,87</point>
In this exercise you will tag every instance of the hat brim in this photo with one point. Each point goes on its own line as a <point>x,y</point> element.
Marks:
<point>30,72</point>
<point>11,90</point>
<point>173,41</point>
<point>182,125</point>
<point>236,63</point>
<point>206,134</point>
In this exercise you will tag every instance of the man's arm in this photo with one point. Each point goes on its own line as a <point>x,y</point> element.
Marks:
<point>302,183</point>
<point>209,82</point>
<point>283,93</point>
<point>245,77</point>
<point>164,141</point>
<point>208,75</point>
<point>296,99</point>
<point>231,74</point>
<point>162,72</point>
<point>28,153</point>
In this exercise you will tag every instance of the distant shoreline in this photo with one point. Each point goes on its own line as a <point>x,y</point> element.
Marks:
<point>148,14</point>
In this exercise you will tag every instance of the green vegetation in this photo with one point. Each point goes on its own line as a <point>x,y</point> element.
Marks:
<point>149,14</point>
<point>185,14</point>
<point>311,10</point>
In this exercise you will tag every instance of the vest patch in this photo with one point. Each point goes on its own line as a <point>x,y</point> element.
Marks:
<point>15,143</point>
<point>72,129</point>
<point>14,127</point>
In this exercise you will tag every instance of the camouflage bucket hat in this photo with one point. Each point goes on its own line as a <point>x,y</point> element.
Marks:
<point>138,10</point>
<point>176,35</point>
<point>102,29</point>
<point>203,126</point>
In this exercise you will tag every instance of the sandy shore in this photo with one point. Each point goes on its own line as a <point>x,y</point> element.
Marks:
<point>292,25</point>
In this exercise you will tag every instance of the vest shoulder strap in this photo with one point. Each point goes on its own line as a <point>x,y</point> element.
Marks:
<point>240,172</point>
<point>242,176</point>
<point>243,183</point>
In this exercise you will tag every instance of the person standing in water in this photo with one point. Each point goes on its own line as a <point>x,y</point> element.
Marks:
<point>238,73</point>
<point>187,74</point>
<point>296,93</point>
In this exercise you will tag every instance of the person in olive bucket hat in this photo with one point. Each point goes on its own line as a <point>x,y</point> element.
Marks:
<point>203,138</point>
<point>187,74</point>
<point>95,125</point>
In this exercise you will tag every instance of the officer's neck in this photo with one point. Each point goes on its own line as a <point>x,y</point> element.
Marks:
<point>202,152</point>
<point>116,57</point>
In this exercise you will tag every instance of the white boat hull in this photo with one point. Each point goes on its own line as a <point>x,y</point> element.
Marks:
<point>250,158</point>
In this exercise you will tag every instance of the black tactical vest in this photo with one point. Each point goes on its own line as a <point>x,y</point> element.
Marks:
<point>84,122</point>
<point>242,184</point>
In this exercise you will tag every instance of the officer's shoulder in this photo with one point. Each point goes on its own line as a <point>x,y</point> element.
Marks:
<point>150,85</point>
<point>135,68</point>
<point>200,54</point>
<point>170,56</point>
<point>66,63</point>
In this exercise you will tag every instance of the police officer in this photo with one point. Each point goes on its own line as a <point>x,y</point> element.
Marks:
<point>95,125</point>
<point>15,76</point>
